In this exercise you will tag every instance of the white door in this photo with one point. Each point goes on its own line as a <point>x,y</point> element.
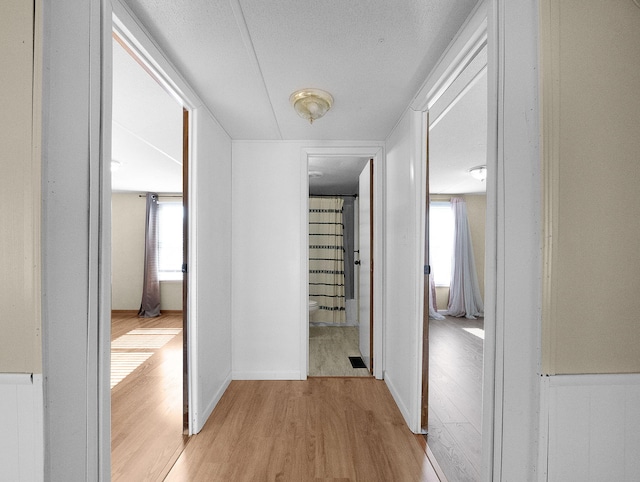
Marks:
<point>365,283</point>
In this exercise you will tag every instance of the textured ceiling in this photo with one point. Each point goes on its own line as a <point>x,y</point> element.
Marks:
<point>245,57</point>
<point>146,132</point>
<point>458,132</point>
<point>335,175</point>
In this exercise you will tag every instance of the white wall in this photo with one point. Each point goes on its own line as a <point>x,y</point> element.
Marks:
<point>269,263</point>
<point>403,280</point>
<point>594,427</point>
<point>212,264</point>
<point>267,259</point>
<point>21,450</point>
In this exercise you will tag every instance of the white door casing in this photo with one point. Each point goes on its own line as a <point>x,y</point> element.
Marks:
<point>365,268</point>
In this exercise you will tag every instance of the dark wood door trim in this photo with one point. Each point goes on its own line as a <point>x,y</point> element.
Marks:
<point>424,403</point>
<point>185,270</point>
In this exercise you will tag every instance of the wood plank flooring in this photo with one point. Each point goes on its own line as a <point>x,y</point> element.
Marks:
<point>455,397</point>
<point>329,350</point>
<point>321,429</point>
<point>146,406</point>
<point>339,429</point>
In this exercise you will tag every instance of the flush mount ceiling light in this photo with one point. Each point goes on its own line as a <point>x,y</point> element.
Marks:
<point>311,104</point>
<point>315,174</point>
<point>479,172</point>
<point>115,165</point>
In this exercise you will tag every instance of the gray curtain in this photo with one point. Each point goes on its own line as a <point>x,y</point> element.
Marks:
<point>348,220</point>
<point>150,305</point>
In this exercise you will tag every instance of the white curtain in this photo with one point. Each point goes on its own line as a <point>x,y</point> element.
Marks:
<point>326,259</point>
<point>464,292</point>
<point>433,306</point>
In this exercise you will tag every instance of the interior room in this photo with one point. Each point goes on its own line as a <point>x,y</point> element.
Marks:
<point>146,308</point>
<point>457,173</point>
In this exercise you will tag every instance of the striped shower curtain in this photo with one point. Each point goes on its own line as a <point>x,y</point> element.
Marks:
<point>326,259</point>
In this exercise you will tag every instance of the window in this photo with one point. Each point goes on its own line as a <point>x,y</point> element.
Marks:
<point>170,241</point>
<point>441,241</point>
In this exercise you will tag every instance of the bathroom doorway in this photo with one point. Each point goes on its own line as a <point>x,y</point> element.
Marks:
<point>335,267</point>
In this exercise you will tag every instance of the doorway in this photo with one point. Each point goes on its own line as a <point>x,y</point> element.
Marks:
<point>335,326</point>
<point>341,168</point>
<point>453,354</point>
<point>149,396</point>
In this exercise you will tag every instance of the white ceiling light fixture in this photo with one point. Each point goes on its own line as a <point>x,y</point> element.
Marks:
<point>479,173</point>
<point>315,174</point>
<point>115,165</point>
<point>311,104</point>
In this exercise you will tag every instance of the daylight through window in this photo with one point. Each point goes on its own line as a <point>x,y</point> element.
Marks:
<point>170,241</point>
<point>441,241</point>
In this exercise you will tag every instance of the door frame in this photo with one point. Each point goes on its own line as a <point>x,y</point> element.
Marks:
<point>137,40</point>
<point>472,38</point>
<point>375,152</point>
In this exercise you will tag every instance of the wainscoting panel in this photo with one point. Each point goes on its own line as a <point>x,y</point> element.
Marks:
<point>594,428</point>
<point>21,427</point>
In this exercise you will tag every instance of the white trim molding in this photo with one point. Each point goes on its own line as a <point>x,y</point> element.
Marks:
<point>22,434</point>
<point>593,427</point>
<point>463,49</point>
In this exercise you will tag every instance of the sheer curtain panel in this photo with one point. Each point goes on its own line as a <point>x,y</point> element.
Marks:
<point>464,292</point>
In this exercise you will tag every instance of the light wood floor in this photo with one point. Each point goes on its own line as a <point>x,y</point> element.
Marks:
<point>146,406</point>
<point>329,350</point>
<point>321,429</point>
<point>455,397</point>
<point>339,429</point>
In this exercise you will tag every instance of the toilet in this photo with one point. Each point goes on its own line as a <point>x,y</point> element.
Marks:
<point>313,307</point>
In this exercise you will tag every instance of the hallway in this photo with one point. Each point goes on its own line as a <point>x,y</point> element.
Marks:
<point>342,428</point>
<point>346,429</point>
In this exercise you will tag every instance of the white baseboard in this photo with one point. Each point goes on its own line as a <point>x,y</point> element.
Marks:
<point>593,427</point>
<point>267,375</point>
<point>202,418</point>
<point>22,434</point>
